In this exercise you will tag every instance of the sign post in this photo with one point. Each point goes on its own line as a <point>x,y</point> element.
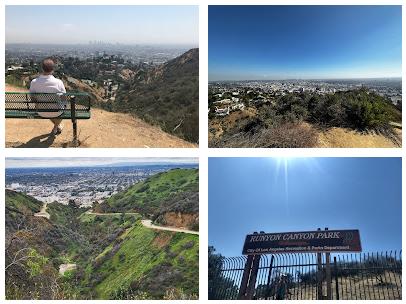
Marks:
<point>245,278</point>
<point>253,276</point>
<point>328,275</point>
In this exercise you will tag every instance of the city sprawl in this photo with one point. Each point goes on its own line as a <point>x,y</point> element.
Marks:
<point>99,66</point>
<point>225,97</point>
<point>83,185</point>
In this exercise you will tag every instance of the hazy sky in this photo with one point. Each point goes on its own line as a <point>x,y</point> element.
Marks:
<point>32,162</point>
<point>289,42</point>
<point>123,24</point>
<point>303,194</point>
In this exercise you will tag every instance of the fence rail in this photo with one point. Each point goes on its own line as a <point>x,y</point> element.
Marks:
<point>364,276</point>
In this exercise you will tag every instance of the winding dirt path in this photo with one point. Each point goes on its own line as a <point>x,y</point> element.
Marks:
<point>148,224</point>
<point>66,267</point>
<point>116,213</point>
<point>43,212</point>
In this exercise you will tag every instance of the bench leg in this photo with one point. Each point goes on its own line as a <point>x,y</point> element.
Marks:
<point>73,115</point>
<point>75,133</point>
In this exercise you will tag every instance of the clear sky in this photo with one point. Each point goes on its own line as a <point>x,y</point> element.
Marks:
<point>123,24</point>
<point>290,42</point>
<point>303,194</point>
<point>41,162</point>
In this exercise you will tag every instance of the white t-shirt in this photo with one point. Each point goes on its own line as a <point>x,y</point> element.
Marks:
<point>48,84</point>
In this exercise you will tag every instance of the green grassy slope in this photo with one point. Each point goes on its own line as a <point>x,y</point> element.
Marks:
<point>143,260</point>
<point>146,197</point>
<point>18,207</point>
<point>22,203</point>
<point>63,214</point>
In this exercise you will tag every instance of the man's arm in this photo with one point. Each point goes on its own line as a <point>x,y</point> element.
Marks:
<point>32,86</point>
<point>62,87</point>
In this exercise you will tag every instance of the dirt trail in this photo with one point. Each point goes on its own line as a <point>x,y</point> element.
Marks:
<point>148,224</point>
<point>43,212</point>
<point>117,213</point>
<point>66,267</point>
<point>103,130</point>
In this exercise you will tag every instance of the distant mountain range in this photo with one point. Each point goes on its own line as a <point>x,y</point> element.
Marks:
<point>119,164</point>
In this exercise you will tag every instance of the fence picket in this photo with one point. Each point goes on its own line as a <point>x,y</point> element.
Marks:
<point>294,276</point>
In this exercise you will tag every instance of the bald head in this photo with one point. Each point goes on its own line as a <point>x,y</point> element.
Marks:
<point>48,65</point>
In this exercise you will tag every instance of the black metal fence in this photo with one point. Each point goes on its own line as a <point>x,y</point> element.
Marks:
<point>364,276</point>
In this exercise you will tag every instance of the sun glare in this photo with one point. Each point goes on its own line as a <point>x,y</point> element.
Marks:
<point>284,168</point>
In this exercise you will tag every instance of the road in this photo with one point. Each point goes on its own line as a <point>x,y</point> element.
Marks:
<point>148,224</point>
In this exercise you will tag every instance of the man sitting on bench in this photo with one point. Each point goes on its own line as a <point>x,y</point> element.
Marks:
<point>47,83</point>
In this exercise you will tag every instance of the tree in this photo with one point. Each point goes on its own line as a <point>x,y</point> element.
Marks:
<point>218,284</point>
<point>72,204</point>
<point>28,273</point>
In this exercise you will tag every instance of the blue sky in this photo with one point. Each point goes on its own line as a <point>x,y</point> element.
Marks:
<point>123,24</point>
<point>281,42</point>
<point>302,194</point>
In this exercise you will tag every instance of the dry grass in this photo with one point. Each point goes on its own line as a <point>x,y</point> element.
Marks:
<point>254,135</point>
<point>346,138</point>
<point>288,135</point>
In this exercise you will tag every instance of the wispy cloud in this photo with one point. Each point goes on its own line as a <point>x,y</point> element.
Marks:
<point>68,26</point>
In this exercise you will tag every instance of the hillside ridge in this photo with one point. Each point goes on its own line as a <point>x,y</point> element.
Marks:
<point>166,95</point>
<point>168,198</point>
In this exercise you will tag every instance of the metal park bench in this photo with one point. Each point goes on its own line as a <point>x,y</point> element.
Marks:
<point>71,106</point>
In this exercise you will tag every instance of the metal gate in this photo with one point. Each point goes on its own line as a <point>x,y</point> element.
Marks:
<point>364,276</point>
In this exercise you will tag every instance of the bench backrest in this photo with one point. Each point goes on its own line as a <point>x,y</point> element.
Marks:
<point>46,102</point>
